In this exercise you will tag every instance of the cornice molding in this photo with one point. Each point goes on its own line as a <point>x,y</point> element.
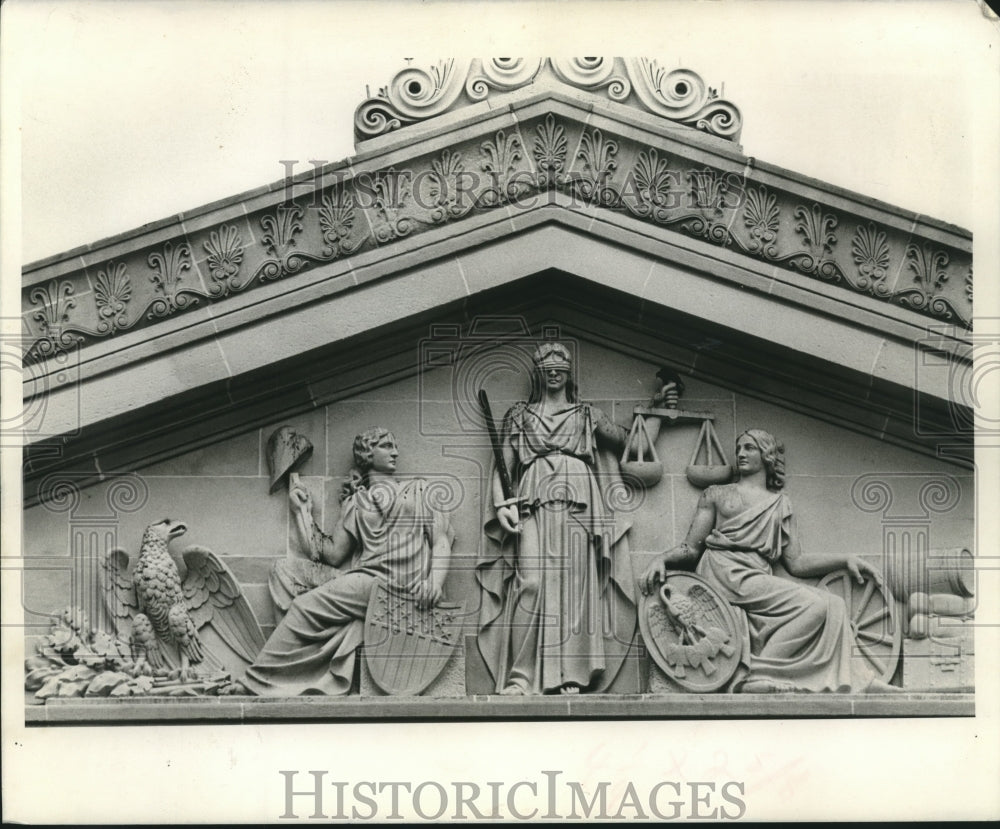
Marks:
<point>510,162</point>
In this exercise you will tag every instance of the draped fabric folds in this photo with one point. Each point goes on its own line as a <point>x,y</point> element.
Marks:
<point>795,635</point>
<point>313,649</point>
<point>558,601</point>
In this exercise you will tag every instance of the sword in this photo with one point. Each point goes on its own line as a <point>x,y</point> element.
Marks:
<point>505,483</point>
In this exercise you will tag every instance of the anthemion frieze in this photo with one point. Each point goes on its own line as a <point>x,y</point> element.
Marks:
<point>551,403</point>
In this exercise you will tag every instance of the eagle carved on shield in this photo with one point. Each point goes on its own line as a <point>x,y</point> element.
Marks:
<point>691,632</point>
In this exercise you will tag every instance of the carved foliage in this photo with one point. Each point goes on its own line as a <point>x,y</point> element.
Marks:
<point>112,292</point>
<point>499,161</point>
<point>382,204</point>
<point>168,267</point>
<point>816,228</point>
<point>594,73</point>
<point>871,256</point>
<point>336,220</point>
<point>652,179</point>
<point>416,94</point>
<point>593,182</point>
<point>225,255</point>
<point>710,197</point>
<point>928,267</point>
<point>413,95</point>
<point>683,96</point>
<point>761,218</point>
<point>503,74</point>
<point>280,229</point>
<point>55,301</point>
<point>391,190</point>
<point>549,149</point>
<point>445,187</point>
<point>74,660</point>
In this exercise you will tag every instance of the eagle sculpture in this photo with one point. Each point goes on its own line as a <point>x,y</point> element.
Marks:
<point>702,637</point>
<point>162,614</point>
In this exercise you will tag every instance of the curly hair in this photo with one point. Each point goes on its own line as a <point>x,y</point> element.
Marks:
<point>538,376</point>
<point>363,455</point>
<point>772,453</point>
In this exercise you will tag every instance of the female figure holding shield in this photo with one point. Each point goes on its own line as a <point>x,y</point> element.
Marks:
<point>796,637</point>
<point>387,532</point>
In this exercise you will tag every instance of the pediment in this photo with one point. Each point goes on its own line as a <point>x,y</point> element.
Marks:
<point>205,459</point>
<point>492,206</point>
<point>478,208</point>
<point>346,344</point>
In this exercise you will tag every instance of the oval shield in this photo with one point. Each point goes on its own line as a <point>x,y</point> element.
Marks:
<point>691,632</point>
<point>406,648</point>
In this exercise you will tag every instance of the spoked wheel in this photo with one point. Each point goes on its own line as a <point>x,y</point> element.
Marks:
<point>878,637</point>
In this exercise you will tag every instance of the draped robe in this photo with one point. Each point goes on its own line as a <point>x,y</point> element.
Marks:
<point>558,598</point>
<point>313,649</point>
<point>795,635</point>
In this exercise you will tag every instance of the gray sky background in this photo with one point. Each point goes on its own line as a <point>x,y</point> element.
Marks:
<point>132,111</point>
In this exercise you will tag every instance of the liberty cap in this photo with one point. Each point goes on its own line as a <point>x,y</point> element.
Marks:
<point>286,451</point>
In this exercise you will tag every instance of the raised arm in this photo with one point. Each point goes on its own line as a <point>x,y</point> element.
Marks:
<point>332,549</point>
<point>689,550</point>
<point>335,549</point>
<point>609,434</point>
<point>613,436</point>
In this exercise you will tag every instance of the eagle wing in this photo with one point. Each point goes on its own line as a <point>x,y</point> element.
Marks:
<point>118,592</point>
<point>214,598</point>
<point>712,614</point>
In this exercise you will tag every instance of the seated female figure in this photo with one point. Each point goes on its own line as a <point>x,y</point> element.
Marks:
<point>797,637</point>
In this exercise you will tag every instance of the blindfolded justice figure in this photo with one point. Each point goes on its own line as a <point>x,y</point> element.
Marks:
<point>558,612</point>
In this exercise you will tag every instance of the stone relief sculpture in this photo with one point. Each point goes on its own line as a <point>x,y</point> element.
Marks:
<point>795,637</point>
<point>936,591</point>
<point>286,451</point>
<point>159,633</point>
<point>163,613</point>
<point>691,633</point>
<point>395,543</point>
<point>558,601</point>
<point>559,611</point>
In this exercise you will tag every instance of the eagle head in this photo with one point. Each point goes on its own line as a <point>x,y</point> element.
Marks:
<point>164,531</point>
<point>679,606</point>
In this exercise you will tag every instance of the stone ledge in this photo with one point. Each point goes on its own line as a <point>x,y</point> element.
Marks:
<point>485,708</point>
